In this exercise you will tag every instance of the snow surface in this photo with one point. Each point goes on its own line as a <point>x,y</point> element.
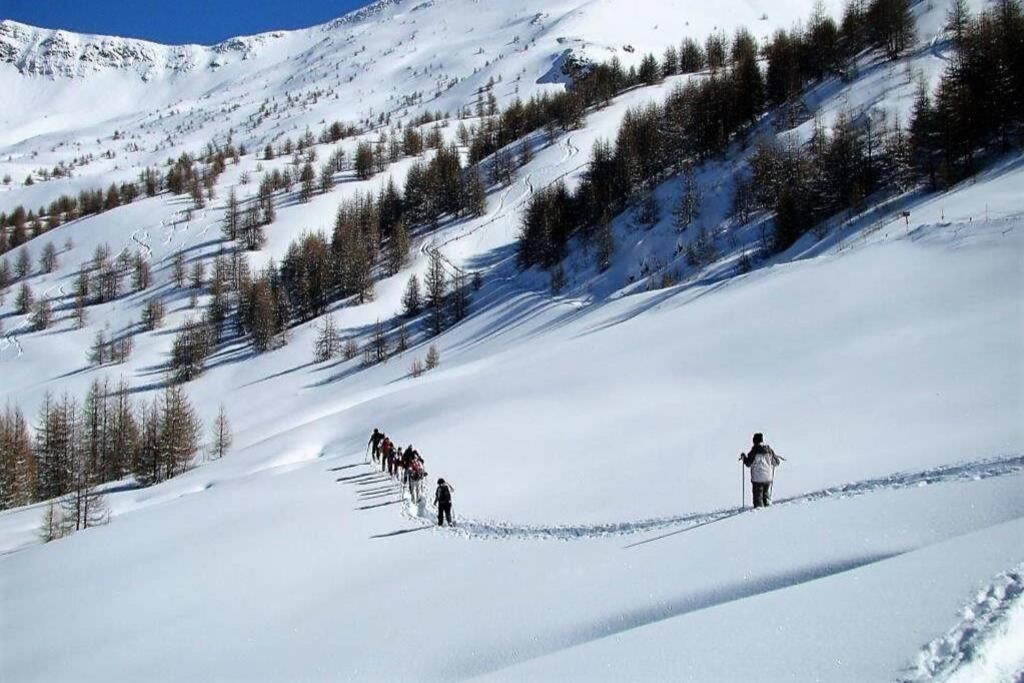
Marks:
<point>591,437</point>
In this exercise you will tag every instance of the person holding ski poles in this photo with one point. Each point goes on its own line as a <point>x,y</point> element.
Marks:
<point>443,501</point>
<point>374,443</point>
<point>762,462</point>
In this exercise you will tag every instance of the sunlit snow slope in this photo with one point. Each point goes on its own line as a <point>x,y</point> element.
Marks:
<point>591,437</point>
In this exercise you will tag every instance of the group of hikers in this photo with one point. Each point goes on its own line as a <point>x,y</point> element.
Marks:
<point>407,467</point>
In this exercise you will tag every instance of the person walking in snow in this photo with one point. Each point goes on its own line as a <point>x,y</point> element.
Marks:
<point>762,462</point>
<point>387,456</point>
<point>443,501</point>
<point>375,440</point>
<point>416,474</point>
<point>408,456</point>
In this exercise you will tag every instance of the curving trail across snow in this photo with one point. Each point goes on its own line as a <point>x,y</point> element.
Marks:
<point>147,250</point>
<point>8,341</point>
<point>494,530</point>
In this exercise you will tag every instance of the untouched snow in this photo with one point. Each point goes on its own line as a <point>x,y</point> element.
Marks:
<point>591,437</point>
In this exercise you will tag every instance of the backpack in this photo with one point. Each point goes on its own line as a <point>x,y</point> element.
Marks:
<point>762,467</point>
<point>444,494</point>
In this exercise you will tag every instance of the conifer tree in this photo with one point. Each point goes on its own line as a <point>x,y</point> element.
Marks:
<point>221,437</point>
<point>191,347</point>
<point>18,482</point>
<point>402,339</point>
<point>605,246</point>
<point>397,254</point>
<point>42,314</point>
<point>178,270</point>
<point>5,276</point>
<point>23,264</point>
<point>364,161</point>
<point>24,301</point>
<point>141,275</point>
<point>433,358</point>
<point>52,526</point>
<point>99,351</point>
<point>232,218</point>
<point>892,25</point>
<point>474,195</point>
<point>147,462</point>
<point>326,178</point>
<point>379,343</point>
<point>688,206</point>
<point>153,314</point>
<point>122,441</point>
<point>179,432</point>
<point>307,180</point>
<point>437,290</point>
<point>328,340</point>
<point>411,298</point>
<point>459,297</point>
<point>48,259</point>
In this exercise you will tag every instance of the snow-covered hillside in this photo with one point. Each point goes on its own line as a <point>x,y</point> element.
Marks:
<point>591,435</point>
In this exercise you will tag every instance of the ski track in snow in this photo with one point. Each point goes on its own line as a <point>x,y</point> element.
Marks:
<point>486,529</point>
<point>147,250</point>
<point>988,641</point>
<point>571,151</point>
<point>8,341</point>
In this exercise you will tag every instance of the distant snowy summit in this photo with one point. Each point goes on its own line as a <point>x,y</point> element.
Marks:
<point>49,52</point>
<point>65,54</point>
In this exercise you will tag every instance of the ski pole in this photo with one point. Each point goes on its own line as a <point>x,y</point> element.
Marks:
<point>743,484</point>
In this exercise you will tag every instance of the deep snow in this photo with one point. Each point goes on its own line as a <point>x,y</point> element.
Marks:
<point>592,437</point>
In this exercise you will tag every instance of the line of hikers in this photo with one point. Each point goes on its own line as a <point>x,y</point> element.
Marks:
<point>407,467</point>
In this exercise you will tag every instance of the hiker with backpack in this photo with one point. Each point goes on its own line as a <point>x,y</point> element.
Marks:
<point>408,457</point>
<point>762,462</point>
<point>375,440</point>
<point>387,455</point>
<point>443,501</point>
<point>415,475</point>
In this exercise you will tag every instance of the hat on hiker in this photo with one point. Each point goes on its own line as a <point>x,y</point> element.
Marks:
<point>758,438</point>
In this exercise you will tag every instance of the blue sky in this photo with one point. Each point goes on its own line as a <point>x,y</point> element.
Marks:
<point>175,21</point>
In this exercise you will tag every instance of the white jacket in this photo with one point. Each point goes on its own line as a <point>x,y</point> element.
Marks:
<point>762,469</point>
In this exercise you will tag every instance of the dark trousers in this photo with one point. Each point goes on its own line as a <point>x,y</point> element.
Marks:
<point>762,494</point>
<point>444,511</point>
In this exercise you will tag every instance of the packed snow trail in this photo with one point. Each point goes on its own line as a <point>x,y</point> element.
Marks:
<point>483,529</point>
<point>987,643</point>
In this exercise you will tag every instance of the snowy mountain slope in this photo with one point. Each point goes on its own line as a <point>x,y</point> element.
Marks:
<point>444,51</point>
<point>883,361</point>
